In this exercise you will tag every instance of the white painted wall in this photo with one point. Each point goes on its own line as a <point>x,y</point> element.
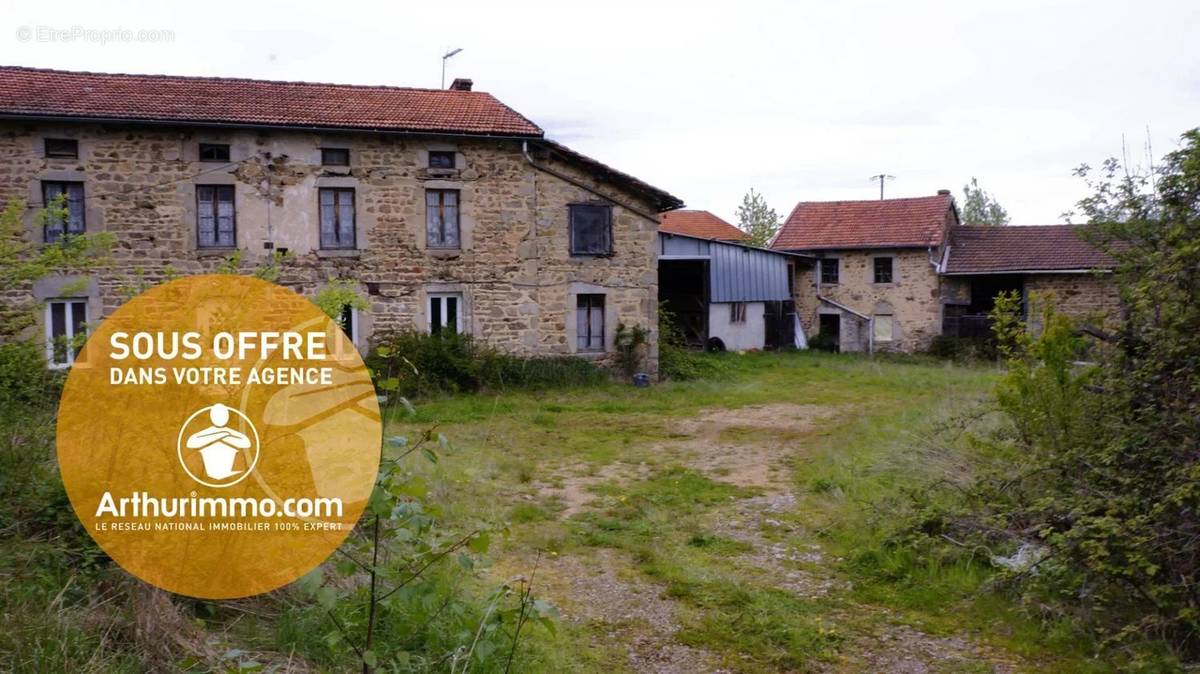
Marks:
<point>751,334</point>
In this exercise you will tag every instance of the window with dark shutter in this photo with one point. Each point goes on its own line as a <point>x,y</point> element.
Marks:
<point>883,270</point>
<point>829,270</point>
<point>441,159</point>
<point>64,209</point>
<point>335,156</point>
<point>441,218</point>
<point>591,229</point>
<point>216,225</point>
<point>589,322</point>
<point>214,152</point>
<point>337,217</point>
<point>66,148</point>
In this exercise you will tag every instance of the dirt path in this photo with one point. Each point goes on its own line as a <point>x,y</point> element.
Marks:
<point>751,447</point>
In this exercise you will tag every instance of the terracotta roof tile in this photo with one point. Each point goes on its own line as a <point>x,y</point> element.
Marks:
<point>31,92</point>
<point>884,223</point>
<point>701,224</point>
<point>981,249</point>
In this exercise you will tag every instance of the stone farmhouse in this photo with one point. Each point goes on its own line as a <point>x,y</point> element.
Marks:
<point>893,274</point>
<point>447,209</point>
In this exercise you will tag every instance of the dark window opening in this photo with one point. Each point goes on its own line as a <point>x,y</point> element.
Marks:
<point>66,327</point>
<point>589,322</point>
<point>64,209</point>
<point>441,218</point>
<point>883,270</point>
<point>737,312</point>
<point>216,225</point>
<point>214,152</point>
<point>335,156</point>
<point>591,229</point>
<point>346,321</point>
<point>829,270</point>
<point>441,159</point>
<point>62,147</point>
<point>445,313</point>
<point>337,217</point>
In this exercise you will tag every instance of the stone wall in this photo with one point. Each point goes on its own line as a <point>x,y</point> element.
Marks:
<point>1093,298</point>
<point>513,269</point>
<point>912,300</point>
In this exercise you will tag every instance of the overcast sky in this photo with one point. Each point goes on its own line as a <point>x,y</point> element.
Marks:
<point>803,101</point>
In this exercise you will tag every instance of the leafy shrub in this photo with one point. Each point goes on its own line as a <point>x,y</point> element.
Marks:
<point>962,349</point>
<point>1102,477</point>
<point>419,364</point>
<point>676,360</point>
<point>24,379</point>
<point>822,341</point>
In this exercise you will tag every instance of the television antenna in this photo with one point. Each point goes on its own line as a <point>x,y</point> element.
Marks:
<point>882,177</point>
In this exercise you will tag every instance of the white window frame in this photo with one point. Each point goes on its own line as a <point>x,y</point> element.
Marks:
<point>69,325</point>
<point>441,298</point>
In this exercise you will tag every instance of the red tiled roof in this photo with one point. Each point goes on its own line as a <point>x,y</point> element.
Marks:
<point>700,224</point>
<point>884,223</point>
<point>32,92</point>
<point>979,249</point>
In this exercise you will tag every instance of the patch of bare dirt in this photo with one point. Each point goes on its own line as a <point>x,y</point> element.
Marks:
<point>905,650</point>
<point>606,592</point>
<point>746,446</point>
<point>799,569</point>
<point>571,485</point>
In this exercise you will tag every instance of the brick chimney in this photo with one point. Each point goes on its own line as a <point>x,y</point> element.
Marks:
<point>461,84</point>
<point>941,192</point>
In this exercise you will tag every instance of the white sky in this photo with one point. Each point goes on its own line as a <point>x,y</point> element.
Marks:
<point>803,101</point>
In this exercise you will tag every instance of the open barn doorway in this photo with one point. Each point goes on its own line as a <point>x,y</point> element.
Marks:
<point>683,291</point>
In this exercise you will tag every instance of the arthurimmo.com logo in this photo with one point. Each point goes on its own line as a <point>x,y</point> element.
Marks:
<point>218,436</point>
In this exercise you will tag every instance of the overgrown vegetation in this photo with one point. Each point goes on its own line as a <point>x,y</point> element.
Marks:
<point>1092,514</point>
<point>413,364</point>
<point>677,361</point>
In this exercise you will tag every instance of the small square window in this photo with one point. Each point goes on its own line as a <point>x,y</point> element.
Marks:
<point>441,159</point>
<point>737,312</point>
<point>591,229</point>
<point>214,152</point>
<point>66,148</point>
<point>829,270</point>
<point>335,156</point>
<point>883,270</point>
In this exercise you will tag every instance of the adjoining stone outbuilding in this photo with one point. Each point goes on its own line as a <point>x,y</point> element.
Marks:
<point>447,209</point>
<point>721,293</point>
<point>893,274</point>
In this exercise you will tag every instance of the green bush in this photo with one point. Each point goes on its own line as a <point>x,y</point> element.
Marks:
<point>961,349</point>
<point>678,361</point>
<point>416,364</point>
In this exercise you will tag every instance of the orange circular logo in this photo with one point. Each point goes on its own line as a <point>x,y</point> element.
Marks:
<point>219,436</point>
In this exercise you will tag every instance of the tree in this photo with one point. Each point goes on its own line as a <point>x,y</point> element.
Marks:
<point>757,219</point>
<point>1102,424</point>
<point>980,207</point>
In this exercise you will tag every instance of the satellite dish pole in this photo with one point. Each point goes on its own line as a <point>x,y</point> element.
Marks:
<point>881,178</point>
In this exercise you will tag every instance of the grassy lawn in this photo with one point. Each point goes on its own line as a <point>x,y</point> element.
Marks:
<point>736,523</point>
